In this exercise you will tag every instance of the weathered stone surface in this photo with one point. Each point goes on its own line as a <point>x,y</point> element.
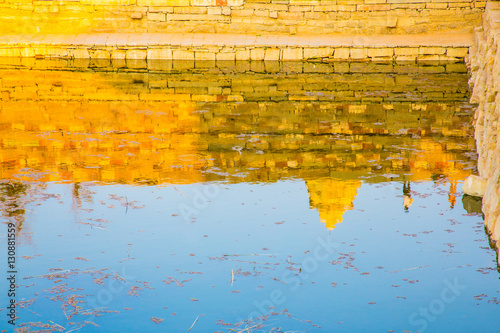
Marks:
<point>380,52</point>
<point>160,53</point>
<point>257,54</point>
<point>318,17</point>
<point>341,53</point>
<point>292,54</point>
<point>483,59</point>
<point>474,186</point>
<point>182,55</point>
<point>161,17</point>
<point>272,54</point>
<point>225,56</point>
<point>118,55</point>
<point>204,55</point>
<point>323,52</point>
<point>136,54</point>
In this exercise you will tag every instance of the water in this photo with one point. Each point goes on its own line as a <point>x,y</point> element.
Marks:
<point>261,196</point>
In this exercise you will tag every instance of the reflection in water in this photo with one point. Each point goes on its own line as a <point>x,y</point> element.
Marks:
<point>473,205</point>
<point>97,164</point>
<point>175,127</point>
<point>12,203</point>
<point>407,195</point>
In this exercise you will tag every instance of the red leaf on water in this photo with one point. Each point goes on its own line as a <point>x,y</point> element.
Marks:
<point>157,320</point>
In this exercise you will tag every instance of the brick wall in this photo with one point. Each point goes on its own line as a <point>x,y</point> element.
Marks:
<point>250,16</point>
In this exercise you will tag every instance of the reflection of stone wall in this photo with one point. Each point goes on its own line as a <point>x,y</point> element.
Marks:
<point>190,125</point>
<point>250,16</point>
<point>485,68</point>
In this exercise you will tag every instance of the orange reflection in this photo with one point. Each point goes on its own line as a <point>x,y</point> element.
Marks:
<point>142,128</point>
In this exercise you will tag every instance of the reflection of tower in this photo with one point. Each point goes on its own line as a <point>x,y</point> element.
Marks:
<point>407,201</point>
<point>451,195</point>
<point>332,197</point>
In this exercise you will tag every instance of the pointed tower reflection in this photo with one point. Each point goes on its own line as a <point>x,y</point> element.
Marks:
<point>332,197</point>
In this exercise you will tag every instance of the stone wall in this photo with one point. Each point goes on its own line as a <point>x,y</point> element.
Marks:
<point>233,47</point>
<point>485,80</point>
<point>238,16</point>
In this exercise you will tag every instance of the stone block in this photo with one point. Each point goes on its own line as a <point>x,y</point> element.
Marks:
<point>163,53</point>
<point>325,8</point>
<point>317,52</point>
<point>373,8</point>
<point>272,54</point>
<point>171,3</point>
<point>314,17</point>
<point>358,53</point>
<point>292,8</point>
<point>235,98</point>
<point>406,51</point>
<point>433,5</point>
<point>428,58</point>
<point>392,22</point>
<point>214,11</point>
<point>204,98</point>
<point>100,54</point>
<point>341,53</point>
<point>160,17</point>
<point>203,3</point>
<point>225,56</point>
<point>291,16</point>
<point>292,54</point>
<point>136,15</point>
<point>182,55</point>
<point>200,55</point>
<point>380,52</point>
<point>256,54</point>
<point>431,50</point>
<point>261,13</point>
<point>346,8</point>
<point>456,68</point>
<point>80,53</point>
<point>242,55</point>
<point>458,52</point>
<point>194,17</point>
<point>474,186</point>
<point>190,10</point>
<point>215,90</point>
<point>118,54</point>
<point>136,54</point>
<point>242,12</point>
<point>403,58</point>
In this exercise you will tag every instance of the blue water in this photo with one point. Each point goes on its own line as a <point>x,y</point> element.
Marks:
<point>252,255</point>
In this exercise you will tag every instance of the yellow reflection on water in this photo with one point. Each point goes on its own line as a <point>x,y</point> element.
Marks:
<point>332,197</point>
<point>183,127</point>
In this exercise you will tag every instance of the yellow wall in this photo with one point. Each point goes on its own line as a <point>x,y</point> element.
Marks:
<point>251,16</point>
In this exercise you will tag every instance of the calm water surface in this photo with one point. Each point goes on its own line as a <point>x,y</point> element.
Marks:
<point>247,197</point>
